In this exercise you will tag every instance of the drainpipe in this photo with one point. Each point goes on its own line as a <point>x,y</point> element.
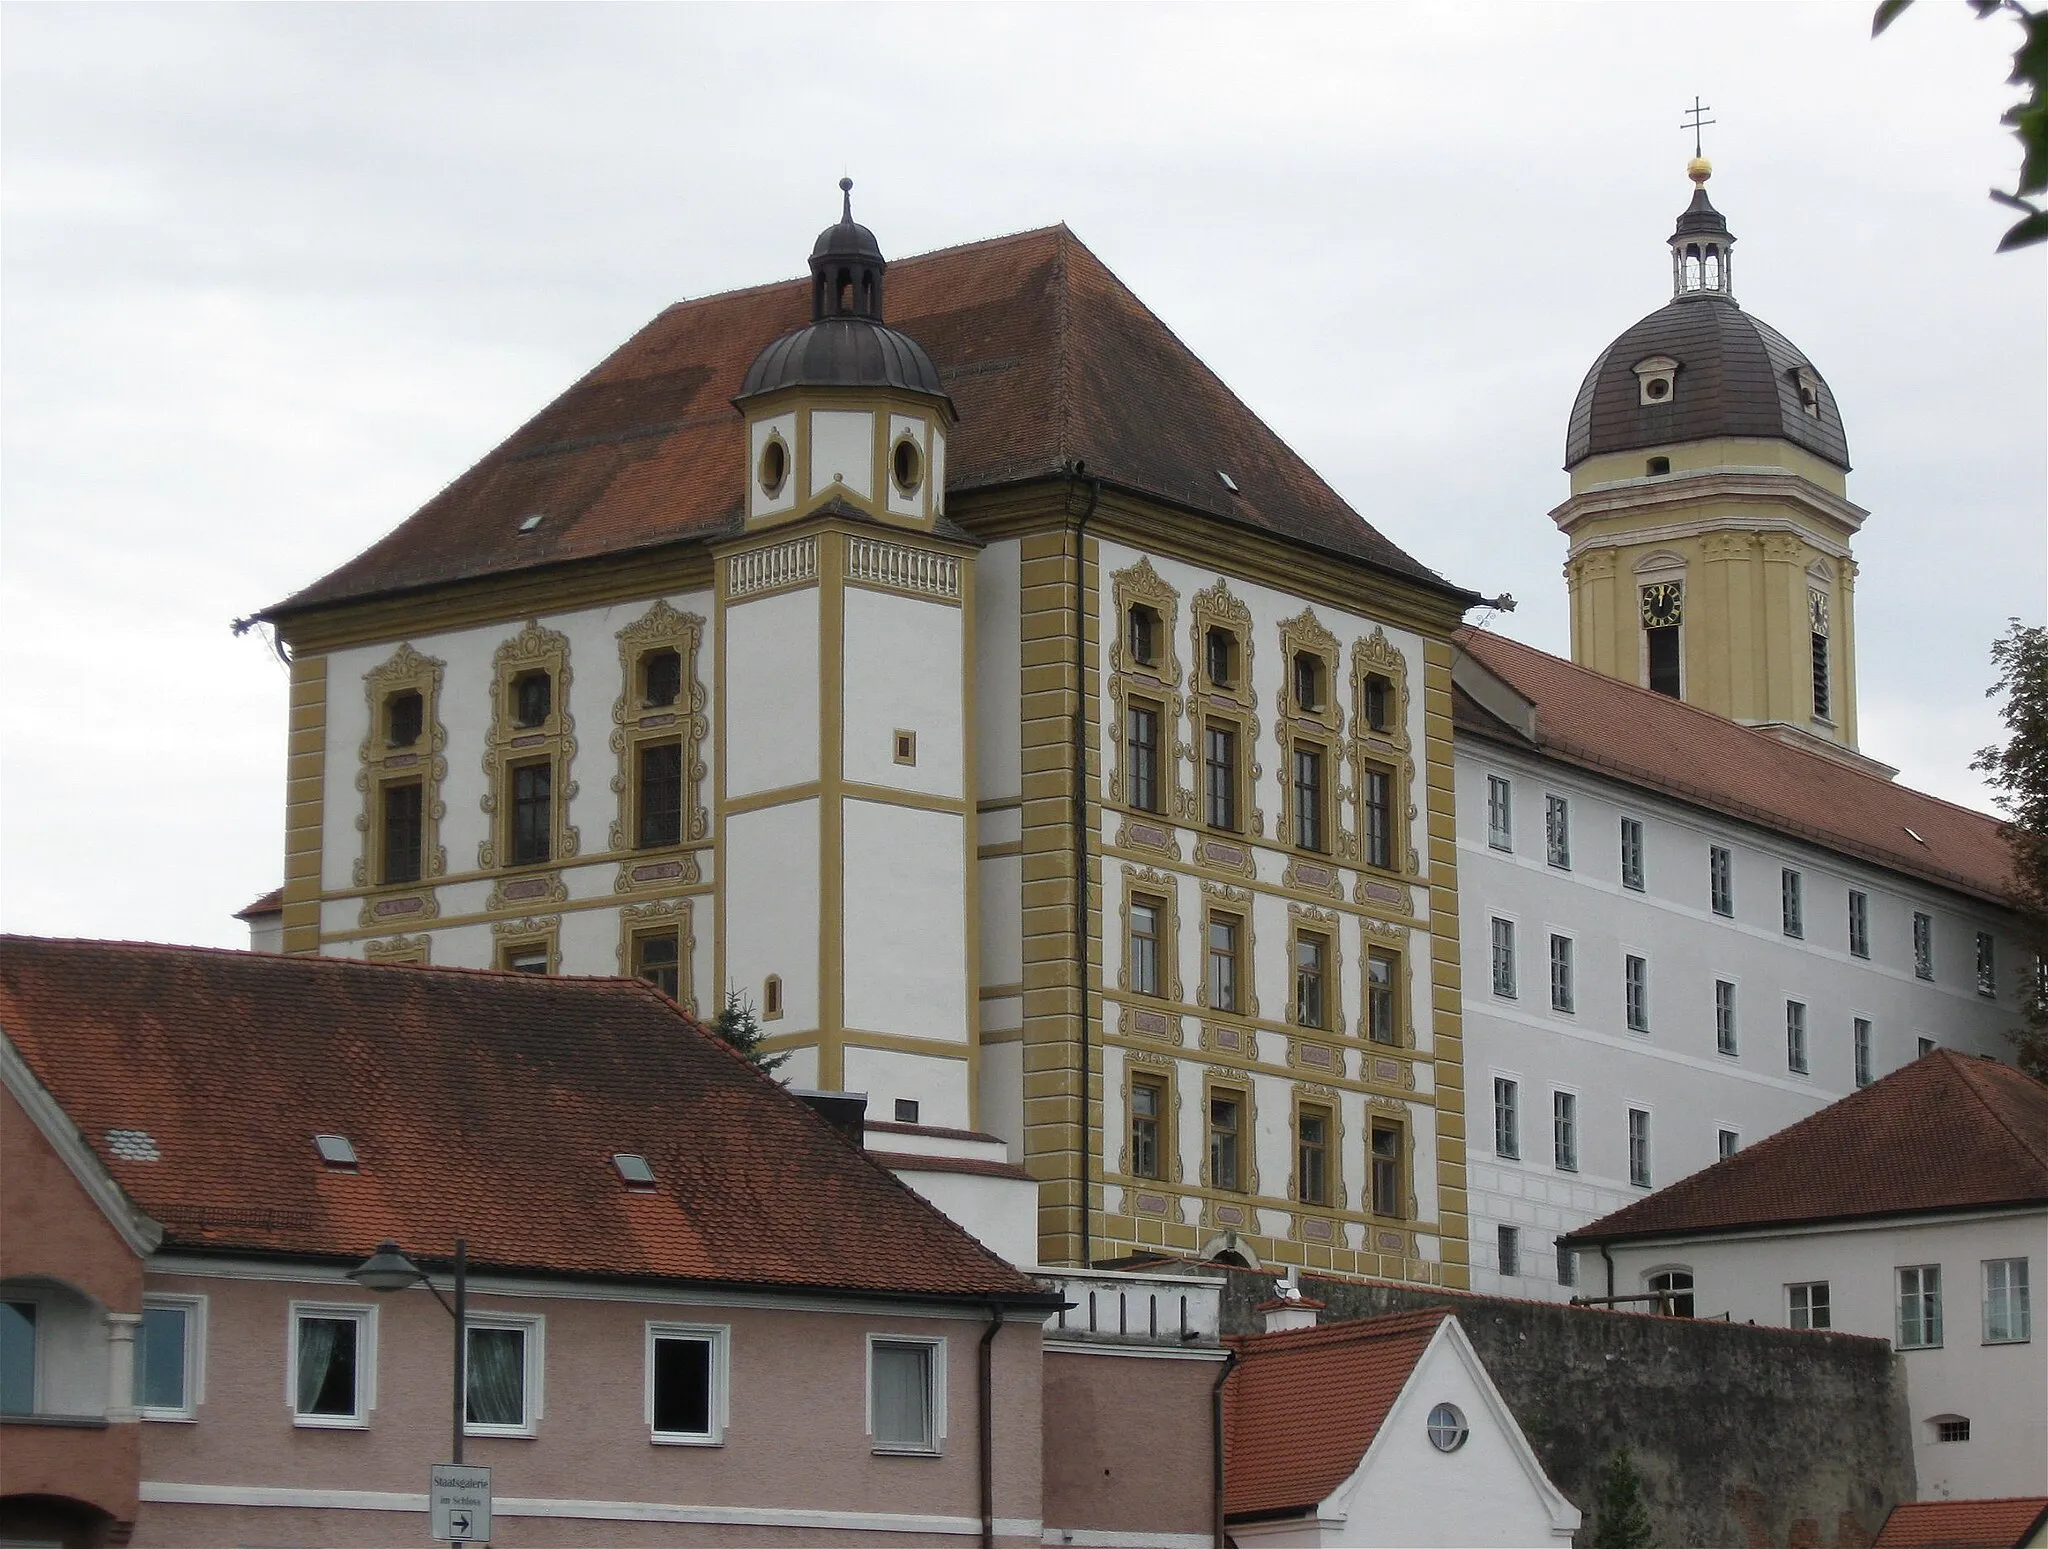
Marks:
<point>1216,1451</point>
<point>988,1429</point>
<point>1079,469</point>
<point>1610,1268</point>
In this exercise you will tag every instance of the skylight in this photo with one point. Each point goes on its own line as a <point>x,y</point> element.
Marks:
<point>633,1170</point>
<point>133,1145</point>
<point>335,1150</point>
<point>533,521</point>
<point>1228,482</point>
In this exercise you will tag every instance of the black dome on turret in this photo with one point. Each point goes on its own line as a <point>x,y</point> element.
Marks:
<point>846,343</point>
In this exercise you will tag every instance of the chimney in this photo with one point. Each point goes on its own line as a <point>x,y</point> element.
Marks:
<point>1289,1309</point>
<point>846,1112</point>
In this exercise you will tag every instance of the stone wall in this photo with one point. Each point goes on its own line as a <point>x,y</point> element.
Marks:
<point>1762,1438</point>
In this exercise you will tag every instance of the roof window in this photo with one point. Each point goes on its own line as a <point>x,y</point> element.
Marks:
<point>633,1170</point>
<point>1656,379</point>
<point>336,1151</point>
<point>133,1145</point>
<point>533,521</point>
<point>1228,482</point>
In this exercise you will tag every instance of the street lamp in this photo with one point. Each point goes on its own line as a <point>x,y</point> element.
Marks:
<point>389,1270</point>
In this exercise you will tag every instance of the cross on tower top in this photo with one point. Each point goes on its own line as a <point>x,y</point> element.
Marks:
<point>1697,120</point>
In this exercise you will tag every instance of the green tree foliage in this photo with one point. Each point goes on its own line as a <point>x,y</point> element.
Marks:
<point>736,1024</point>
<point>2028,116</point>
<point>1623,1521</point>
<point>2018,776</point>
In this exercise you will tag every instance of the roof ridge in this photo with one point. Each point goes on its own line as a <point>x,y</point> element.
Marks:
<point>1380,1325</point>
<point>1970,1069</point>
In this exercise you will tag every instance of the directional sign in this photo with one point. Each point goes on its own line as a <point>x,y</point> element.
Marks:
<point>461,1503</point>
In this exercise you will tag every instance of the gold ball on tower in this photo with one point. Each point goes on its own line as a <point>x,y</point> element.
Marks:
<point>1699,169</point>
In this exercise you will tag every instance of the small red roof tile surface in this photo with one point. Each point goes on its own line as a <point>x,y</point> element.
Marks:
<point>483,1105</point>
<point>270,903</point>
<point>1653,740</point>
<point>1990,1524</point>
<point>1048,357</point>
<point>1345,1375</point>
<point>1947,1132</point>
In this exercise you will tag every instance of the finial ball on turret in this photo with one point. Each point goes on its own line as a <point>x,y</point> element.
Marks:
<point>1699,169</point>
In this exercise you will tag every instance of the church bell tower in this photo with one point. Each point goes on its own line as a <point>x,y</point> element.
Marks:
<point>1709,518</point>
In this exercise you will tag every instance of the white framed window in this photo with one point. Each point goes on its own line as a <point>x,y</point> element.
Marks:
<point>170,1357</point>
<point>20,1317</point>
<point>1557,832</point>
<point>1564,1131</point>
<point>688,1383</point>
<point>1563,994</point>
<point>1721,879</point>
<point>331,1378</point>
<point>1632,854</point>
<point>1504,958</point>
<point>1987,965</point>
<point>1507,1118</point>
<point>1639,1147</point>
<point>1792,902</point>
<point>1862,1041</point>
<point>1500,814</point>
<point>1923,946</point>
<point>1806,1306</point>
<point>2008,1317</point>
<point>1635,975</point>
<point>1724,1018</point>
<point>1795,1037</point>
<point>1951,1428</point>
<point>1567,1264</point>
<point>1859,923</point>
<point>906,1394</point>
<point>507,1356</point>
<point>1925,1045</point>
<point>1508,1248</point>
<point>1726,1143</point>
<point>1919,1307</point>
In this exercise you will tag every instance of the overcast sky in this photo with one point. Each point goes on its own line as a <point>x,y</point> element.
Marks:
<point>273,275</point>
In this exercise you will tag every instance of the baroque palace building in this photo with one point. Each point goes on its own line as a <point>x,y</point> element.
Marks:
<point>938,655</point>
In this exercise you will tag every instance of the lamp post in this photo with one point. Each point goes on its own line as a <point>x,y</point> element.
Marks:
<point>390,1270</point>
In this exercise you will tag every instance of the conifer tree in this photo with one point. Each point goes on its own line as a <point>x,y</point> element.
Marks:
<point>1623,1521</point>
<point>736,1024</point>
<point>2018,776</point>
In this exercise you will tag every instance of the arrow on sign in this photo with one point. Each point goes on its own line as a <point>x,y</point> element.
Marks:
<point>460,1523</point>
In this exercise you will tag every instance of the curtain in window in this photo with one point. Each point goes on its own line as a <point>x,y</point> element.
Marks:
<point>903,1395</point>
<point>497,1376</point>
<point>319,1353</point>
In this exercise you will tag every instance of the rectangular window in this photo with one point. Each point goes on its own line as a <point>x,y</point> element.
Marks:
<point>533,812</point>
<point>1219,772</point>
<point>1726,1143</point>
<point>658,958</point>
<point>1987,966</point>
<point>1791,912</point>
<point>1226,1123</point>
<point>1144,959</point>
<point>2008,1315</point>
<point>1635,978</point>
<point>1507,1118</point>
<point>503,1371</point>
<point>1952,1430</point>
<point>1920,1307</point>
<point>167,1355</point>
<point>1923,946</point>
<point>1859,924</point>
<point>1500,814</point>
<point>1564,1131</point>
<point>1863,1051</point>
<point>1724,1017</point>
<point>906,1394</point>
<point>1504,958</point>
<point>1311,982</point>
<point>1385,1157</point>
<point>1808,1305</point>
<point>1721,879</point>
<point>1144,634</point>
<point>1308,798</point>
<point>403,806</point>
<point>18,1357</point>
<point>1563,997</point>
<point>1142,744</point>
<point>1223,963</point>
<point>1382,1003</point>
<point>1508,1244</point>
<point>1820,677</point>
<point>661,794</point>
<point>405,717</point>
<point>1557,832</point>
<point>1795,1037</point>
<point>1926,1046</point>
<point>1639,1148</point>
<point>1662,643</point>
<point>1632,854</point>
<point>686,1384</point>
<point>333,1359</point>
<point>1312,1144</point>
<point>1148,1108</point>
<point>1567,1265</point>
<point>1379,818</point>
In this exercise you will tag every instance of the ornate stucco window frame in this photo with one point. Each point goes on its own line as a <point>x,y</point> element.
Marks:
<point>1320,728</point>
<point>1219,898</point>
<point>1239,1085</point>
<point>508,746</point>
<point>1233,706</point>
<point>1156,684</point>
<point>636,724</point>
<point>1328,1102</point>
<point>1164,890</point>
<point>1327,926</point>
<point>512,936</point>
<point>380,766</point>
<point>672,917</point>
<point>1157,1069</point>
<point>1391,751</point>
<point>1382,938</point>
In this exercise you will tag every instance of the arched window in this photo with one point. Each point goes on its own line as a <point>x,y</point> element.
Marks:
<point>1678,1282</point>
<point>1713,268</point>
<point>1692,268</point>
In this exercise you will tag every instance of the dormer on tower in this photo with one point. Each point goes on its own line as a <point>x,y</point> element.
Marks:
<point>1709,517</point>
<point>845,408</point>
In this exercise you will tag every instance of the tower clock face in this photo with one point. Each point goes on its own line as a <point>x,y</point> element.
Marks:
<point>1817,612</point>
<point>1663,604</point>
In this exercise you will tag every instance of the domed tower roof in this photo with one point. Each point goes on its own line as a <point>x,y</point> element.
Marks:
<point>846,343</point>
<point>1730,374</point>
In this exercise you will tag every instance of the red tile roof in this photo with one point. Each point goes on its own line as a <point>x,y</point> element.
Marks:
<point>270,903</point>
<point>1347,1375</point>
<point>1995,1524</point>
<point>1046,354</point>
<point>1653,740</point>
<point>1947,1132</point>
<point>485,1105</point>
